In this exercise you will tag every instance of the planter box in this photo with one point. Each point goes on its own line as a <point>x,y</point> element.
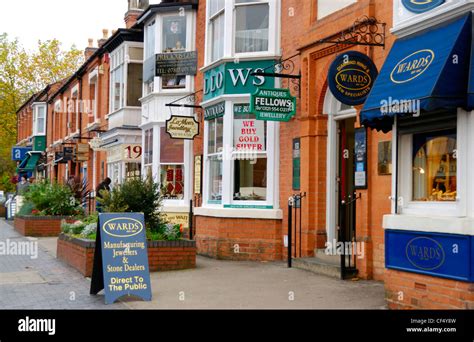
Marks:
<point>40,226</point>
<point>162,255</point>
<point>78,253</point>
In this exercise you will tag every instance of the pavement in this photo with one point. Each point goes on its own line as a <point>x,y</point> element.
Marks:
<point>47,283</point>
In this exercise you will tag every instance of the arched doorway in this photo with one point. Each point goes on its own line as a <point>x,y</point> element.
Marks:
<point>340,157</point>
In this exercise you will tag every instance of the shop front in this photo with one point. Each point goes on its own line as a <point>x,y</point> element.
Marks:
<point>238,215</point>
<point>423,95</point>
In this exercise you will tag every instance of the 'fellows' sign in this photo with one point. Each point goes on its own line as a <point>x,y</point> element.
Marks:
<point>351,77</point>
<point>273,105</point>
<point>182,127</point>
<point>421,6</point>
<point>121,257</point>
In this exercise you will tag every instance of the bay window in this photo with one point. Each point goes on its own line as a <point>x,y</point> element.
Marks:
<point>251,26</point>
<point>126,74</point>
<point>240,158</point>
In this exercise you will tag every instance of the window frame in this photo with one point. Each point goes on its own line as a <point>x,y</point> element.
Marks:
<point>406,206</point>
<point>76,112</point>
<point>36,131</point>
<point>120,61</point>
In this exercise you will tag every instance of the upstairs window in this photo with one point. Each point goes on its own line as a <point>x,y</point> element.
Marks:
<point>251,26</point>
<point>39,120</point>
<point>216,28</point>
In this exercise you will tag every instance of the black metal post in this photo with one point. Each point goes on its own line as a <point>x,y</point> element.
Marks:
<point>191,219</point>
<point>301,226</point>
<point>341,237</point>
<point>290,228</point>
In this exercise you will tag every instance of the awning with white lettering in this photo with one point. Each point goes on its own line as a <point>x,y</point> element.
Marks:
<point>423,72</point>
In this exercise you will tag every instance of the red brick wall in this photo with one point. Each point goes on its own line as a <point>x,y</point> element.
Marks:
<point>162,255</point>
<point>80,257</point>
<point>239,239</point>
<point>38,226</point>
<point>415,291</point>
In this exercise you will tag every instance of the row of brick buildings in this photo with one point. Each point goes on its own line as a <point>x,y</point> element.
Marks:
<point>395,195</point>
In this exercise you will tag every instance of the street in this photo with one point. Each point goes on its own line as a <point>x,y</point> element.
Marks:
<point>46,283</point>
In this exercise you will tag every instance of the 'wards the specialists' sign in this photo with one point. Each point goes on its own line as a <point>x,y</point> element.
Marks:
<point>121,257</point>
<point>273,104</point>
<point>351,77</point>
<point>421,6</point>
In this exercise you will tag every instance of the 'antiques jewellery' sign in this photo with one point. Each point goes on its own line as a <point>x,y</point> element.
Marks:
<point>182,127</point>
<point>421,6</point>
<point>176,63</point>
<point>351,77</point>
<point>412,66</point>
<point>121,257</point>
<point>273,104</point>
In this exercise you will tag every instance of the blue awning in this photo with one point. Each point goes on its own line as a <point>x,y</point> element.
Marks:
<point>423,72</point>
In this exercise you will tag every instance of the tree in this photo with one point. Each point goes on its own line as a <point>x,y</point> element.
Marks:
<point>22,74</point>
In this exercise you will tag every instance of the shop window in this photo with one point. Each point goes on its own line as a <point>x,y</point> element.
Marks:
<point>133,170</point>
<point>215,143</point>
<point>171,166</point>
<point>216,28</point>
<point>434,166</point>
<point>251,26</point>
<point>327,7</point>
<point>250,165</point>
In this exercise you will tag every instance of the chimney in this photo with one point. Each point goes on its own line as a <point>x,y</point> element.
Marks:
<point>105,36</point>
<point>89,51</point>
<point>131,17</point>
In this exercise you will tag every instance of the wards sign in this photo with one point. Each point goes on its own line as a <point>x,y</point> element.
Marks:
<point>351,77</point>
<point>421,6</point>
<point>121,258</point>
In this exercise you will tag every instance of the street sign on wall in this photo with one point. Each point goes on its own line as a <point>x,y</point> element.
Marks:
<point>273,104</point>
<point>121,257</point>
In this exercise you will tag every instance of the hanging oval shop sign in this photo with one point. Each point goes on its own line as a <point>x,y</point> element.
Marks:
<point>425,253</point>
<point>412,66</point>
<point>421,6</point>
<point>122,227</point>
<point>351,77</point>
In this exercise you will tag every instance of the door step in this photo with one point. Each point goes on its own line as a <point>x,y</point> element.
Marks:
<point>323,264</point>
<point>318,266</point>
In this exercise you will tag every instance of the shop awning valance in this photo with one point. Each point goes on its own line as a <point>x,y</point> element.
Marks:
<point>423,72</point>
<point>29,163</point>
